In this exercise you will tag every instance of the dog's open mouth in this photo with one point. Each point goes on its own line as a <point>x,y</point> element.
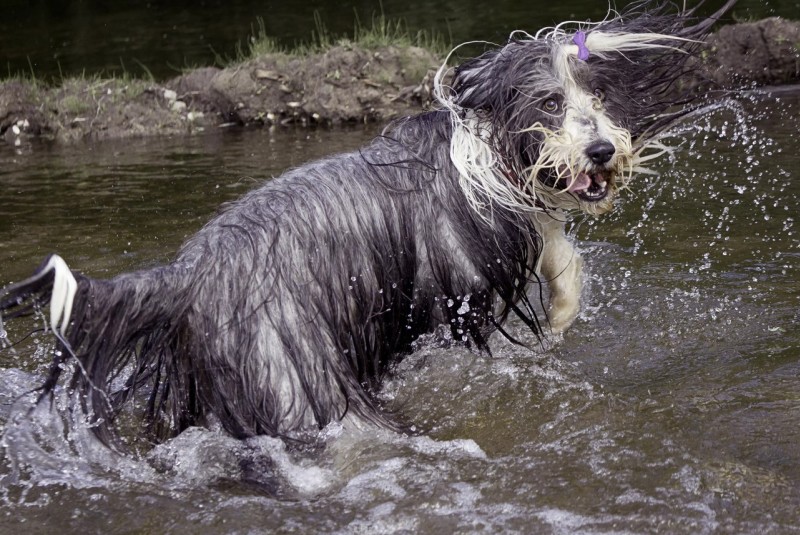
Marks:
<point>589,186</point>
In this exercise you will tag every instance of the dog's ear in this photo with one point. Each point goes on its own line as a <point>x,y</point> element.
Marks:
<point>472,82</point>
<point>493,81</point>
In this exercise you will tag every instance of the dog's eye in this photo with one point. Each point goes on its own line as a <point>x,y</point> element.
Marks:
<point>600,94</point>
<point>550,105</point>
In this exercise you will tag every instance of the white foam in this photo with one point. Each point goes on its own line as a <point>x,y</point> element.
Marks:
<point>198,456</point>
<point>382,479</point>
<point>307,478</point>
<point>463,446</point>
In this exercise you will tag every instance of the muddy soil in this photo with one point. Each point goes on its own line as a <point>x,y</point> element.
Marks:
<point>345,84</point>
<point>755,54</point>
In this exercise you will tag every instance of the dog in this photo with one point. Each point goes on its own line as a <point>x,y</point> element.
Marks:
<point>284,313</point>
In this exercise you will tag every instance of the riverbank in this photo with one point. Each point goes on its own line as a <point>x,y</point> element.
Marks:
<point>342,83</point>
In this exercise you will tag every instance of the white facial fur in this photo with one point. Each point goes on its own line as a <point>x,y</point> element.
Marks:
<point>562,153</point>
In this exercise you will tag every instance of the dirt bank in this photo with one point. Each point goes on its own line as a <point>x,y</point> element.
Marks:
<point>762,53</point>
<point>343,84</point>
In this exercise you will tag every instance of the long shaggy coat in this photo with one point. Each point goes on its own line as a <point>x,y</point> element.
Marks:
<point>285,311</point>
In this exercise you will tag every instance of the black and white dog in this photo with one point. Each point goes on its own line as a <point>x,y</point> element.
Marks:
<point>285,311</point>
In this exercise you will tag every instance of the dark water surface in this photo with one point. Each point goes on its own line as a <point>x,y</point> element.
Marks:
<point>672,405</point>
<point>54,38</point>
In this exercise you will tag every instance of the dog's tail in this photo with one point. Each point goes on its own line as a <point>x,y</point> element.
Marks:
<point>125,327</point>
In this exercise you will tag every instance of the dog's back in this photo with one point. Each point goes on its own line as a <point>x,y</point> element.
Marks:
<point>283,313</point>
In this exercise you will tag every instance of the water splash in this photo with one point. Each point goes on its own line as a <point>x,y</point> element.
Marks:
<point>4,341</point>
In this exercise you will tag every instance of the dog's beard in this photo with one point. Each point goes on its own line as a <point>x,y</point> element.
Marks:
<point>563,177</point>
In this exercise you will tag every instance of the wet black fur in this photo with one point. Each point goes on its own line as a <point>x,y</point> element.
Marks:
<point>285,312</point>
<point>337,266</point>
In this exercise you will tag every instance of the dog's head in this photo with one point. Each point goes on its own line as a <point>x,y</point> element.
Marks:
<point>560,119</point>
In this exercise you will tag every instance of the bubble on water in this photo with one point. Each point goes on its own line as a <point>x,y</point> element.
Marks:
<point>4,341</point>
<point>456,447</point>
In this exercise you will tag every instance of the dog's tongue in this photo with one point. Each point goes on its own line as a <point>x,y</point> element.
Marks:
<point>581,182</point>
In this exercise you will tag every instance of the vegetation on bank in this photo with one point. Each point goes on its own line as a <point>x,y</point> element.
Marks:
<point>380,33</point>
<point>382,71</point>
<point>376,73</point>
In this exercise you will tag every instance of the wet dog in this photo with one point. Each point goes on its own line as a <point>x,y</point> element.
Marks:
<point>284,312</point>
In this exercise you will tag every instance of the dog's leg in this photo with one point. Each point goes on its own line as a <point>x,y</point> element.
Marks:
<point>562,267</point>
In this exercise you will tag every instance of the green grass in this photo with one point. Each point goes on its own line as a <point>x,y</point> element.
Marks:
<point>260,42</point>
<point>27,76</point>
<point>380,32</point>
<point>383,32</point>
<point>74,105</point>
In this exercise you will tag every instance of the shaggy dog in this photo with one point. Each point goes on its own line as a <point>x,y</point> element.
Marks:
<point>284,312</point>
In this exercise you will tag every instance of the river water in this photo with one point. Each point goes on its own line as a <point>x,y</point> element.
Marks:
<point>672,405</point>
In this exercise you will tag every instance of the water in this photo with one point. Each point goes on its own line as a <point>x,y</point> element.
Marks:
<point>55,38</point>
<point>673,404</point>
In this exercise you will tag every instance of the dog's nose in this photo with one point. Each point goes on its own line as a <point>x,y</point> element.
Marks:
<point>600,152</point>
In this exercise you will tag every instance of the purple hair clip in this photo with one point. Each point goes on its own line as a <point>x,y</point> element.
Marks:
<point>580,40</point>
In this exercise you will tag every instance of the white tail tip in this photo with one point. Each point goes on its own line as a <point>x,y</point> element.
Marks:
<point>64,289</point>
